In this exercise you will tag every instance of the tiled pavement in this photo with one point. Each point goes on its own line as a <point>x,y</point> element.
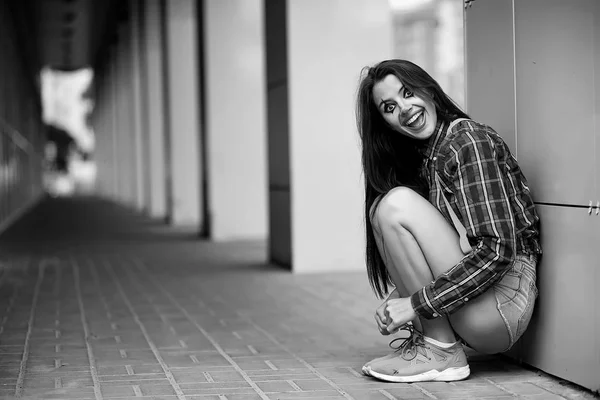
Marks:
<point>97,303</point>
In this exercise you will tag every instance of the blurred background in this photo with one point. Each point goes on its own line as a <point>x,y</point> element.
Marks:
<point>222,118</point>
<point>427,32</point>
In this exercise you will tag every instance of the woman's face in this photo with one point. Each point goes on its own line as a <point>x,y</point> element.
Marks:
<point>404,111</point>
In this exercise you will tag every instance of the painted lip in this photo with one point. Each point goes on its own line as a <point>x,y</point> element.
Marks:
<point>413,116</point>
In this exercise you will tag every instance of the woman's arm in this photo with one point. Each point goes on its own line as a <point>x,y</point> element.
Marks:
<point>474,173</point>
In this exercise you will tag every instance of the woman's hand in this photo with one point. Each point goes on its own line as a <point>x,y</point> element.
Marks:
<point>380,316</point>
<point>396,313</point>
<point>381,319</point>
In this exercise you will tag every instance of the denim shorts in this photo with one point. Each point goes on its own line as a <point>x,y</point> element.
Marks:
<point>515,294</point>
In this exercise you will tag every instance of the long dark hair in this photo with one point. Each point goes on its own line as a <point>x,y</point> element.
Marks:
<point>390,159</point>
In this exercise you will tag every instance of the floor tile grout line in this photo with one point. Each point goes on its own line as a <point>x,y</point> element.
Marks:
<point>56,293</point>
<point>23,365</point>
<point>500,387</point>
<point>8,310</point>
<point>138,263</point>
<point>86,330</point>
<point>424,391</point>
<point>387,394</point>
<point>299,359</point>
<point>364,322</point>
<point>164,366</point>
<point>107,311</point>
<point>549,391</point>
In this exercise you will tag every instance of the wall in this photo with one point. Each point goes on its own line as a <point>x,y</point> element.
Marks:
<point>532,72</point>
<point>21,130</point>
<point>280,230</point>
<point>235,118</point>
<point>183,111</point>
<point>329,42</point>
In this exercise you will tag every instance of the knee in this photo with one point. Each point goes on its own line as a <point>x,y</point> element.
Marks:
<point>395,208</point>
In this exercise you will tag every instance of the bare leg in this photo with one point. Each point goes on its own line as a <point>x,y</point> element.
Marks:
<point>417,244</point>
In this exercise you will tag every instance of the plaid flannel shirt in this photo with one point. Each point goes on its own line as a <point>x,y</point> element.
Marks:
<point>487,190</point>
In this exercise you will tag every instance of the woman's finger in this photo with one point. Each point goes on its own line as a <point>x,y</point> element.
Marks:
<point>392,327</point>
<point>381,325</point>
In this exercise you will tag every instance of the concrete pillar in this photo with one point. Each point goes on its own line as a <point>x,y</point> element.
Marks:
<point>114,122</point>
<point>123,115</point>
<point>126,132</point>
<point>100,135</point>
<point>154,107</point>
<point>138,131</point>
<point>183,109</point>
<point>315,52</point>
<point>236,127</point>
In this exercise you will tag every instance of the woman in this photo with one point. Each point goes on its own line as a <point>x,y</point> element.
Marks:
<point>431,172</point>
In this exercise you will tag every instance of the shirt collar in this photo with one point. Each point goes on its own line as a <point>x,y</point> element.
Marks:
<point>435,139</point>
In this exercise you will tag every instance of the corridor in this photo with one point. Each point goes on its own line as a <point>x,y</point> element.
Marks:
<point>100,303</point>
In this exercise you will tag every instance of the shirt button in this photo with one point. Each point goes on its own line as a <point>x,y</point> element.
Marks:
<point>435,315</point>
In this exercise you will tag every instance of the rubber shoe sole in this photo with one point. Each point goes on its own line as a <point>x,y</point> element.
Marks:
<point>447,375</point>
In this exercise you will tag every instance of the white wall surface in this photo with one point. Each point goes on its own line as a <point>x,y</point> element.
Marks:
<point>155,108</point>
<point>183,112</point>
<point>329,42</point>
<point>236,121</point>
<point>139,137</point>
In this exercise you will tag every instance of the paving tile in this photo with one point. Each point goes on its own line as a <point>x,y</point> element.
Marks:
<point>134,380</point>
<point>312,384</point>
<point>217,391</point>
<point>266,371</point>
<point>276,387</point>
<point>151,389</point>
<point>214,386</point>
<point>279,377</point>
<point>405,391</point>
<point>321,394</point>
<point>57,393</point>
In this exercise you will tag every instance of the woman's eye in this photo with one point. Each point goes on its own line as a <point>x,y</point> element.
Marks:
<point>389,108</point>
<point>408,93</point>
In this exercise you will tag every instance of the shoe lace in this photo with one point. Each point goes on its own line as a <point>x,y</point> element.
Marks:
<point>412,345</point>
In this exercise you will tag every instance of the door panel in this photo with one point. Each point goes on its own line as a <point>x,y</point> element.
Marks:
<point>596,305</point>
<point>562,336</point>
<point>597,92</point>
<point>490,66</point>
<point>554,55</point>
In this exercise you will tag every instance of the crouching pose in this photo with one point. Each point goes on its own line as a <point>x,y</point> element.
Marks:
<point>451,227</point>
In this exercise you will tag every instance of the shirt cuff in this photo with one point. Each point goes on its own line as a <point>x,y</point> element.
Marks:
<point>422,306</point>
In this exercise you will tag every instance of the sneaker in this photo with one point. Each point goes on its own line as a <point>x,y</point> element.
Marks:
<point>417,360</point>
<point>409,327</point>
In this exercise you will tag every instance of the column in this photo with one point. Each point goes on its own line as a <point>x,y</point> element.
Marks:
<point>183,110</point>
<point>236,127</point>
<point>138,132</point>
<point>124,143</point>
<point>113,125</point>
<point>315,52</point>
<point>154,107</point>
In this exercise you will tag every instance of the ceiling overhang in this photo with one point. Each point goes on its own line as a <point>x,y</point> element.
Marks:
<point>65,34</point>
